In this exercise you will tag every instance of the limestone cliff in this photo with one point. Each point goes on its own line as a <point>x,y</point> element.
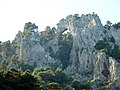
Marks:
<point>85,49</point>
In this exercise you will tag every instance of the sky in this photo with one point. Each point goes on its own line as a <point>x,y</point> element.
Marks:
<point>15,13</point>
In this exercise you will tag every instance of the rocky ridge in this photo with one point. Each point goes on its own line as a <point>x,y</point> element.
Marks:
<point>80,44</point>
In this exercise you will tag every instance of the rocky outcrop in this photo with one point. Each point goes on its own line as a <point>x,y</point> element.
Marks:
<point>89,53</point>
<point>85,61</point>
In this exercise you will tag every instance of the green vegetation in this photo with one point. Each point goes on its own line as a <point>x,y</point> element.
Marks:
<point>109,47</point>
<point>39,79</point>
<point>47,35</point>
<point>109,24</point>
<point>14,80</point>
<point>65,46</point>
<point>6,49</point>
<point>27,77</point>
<point>29,27</point>
<point>76,17</point>
<point>25,66</point>
<point>53,86</point>
<point>77,85</point>
<point>101,44</point>
<point>117,26</point>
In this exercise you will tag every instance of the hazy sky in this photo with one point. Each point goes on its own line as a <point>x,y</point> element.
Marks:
<point>15,13</point>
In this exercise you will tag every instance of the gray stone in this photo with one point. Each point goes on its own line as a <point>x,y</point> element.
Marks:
<point>85,63</point>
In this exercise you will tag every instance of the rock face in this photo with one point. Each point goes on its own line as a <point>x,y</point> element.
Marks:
<point>86,31</point>
<point>31,51</point>
<point>81,45</point>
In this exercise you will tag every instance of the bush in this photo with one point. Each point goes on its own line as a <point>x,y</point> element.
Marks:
<point>101,44</point>
<point>65,46</point>
<point>53,86</point>
<point>76,85</point>
<point>85,85</point>
<point>110,50</point>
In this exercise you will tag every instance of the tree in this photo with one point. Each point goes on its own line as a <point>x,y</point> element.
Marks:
<point>58,70</point>
<point>62,78</point>
<point>47,35</point>
<point>3,65</point>
<point>101,44</point>
<point>76,16</point>
<point>65,46</point>
<point>46,75</point>
<point>108,23</point>
<point>117,26</point>
<point>76,85</point>
<point>28,82</point>
<point>7,49</point>
<point>37,70</point>
<point>14,58</point>
<point>53,86</point>
<point>112,39</point>
<point>14,79</point>
<point>30,27</point>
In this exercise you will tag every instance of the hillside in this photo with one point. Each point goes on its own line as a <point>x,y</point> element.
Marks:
<point>84,49</point>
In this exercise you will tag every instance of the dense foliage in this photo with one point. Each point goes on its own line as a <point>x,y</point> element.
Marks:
<point>109,24</point>
<point>109,46</point>
<point>39,79</point>
<point>79,86</point>
<point>47,35</point>
<point>117,26</point>
<point>65,46</point>
<point>29,27</point>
